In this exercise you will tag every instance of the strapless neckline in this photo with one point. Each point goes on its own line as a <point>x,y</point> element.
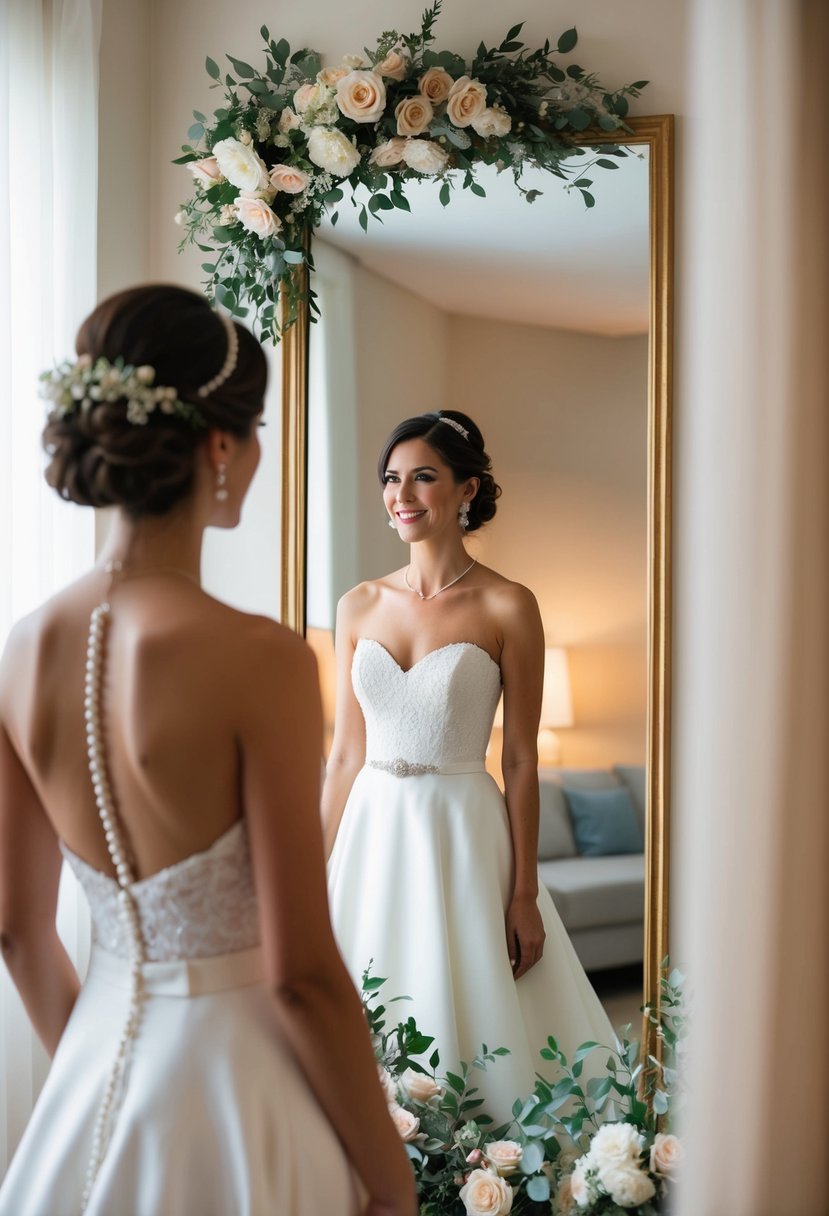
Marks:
<point>430,654</point>
<point>226,840</point>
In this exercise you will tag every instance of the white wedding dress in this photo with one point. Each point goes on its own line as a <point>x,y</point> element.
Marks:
<point>213,1115</point>
<point>421,871</point>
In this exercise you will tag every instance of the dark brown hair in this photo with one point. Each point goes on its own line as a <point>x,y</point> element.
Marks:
<point>465,457</point>
<point>97,457</point>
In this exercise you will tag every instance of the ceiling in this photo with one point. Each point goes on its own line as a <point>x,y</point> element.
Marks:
<point>553,262</point>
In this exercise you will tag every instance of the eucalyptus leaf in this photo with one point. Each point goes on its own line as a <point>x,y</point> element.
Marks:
<point>213,68</point>
<point>532,1158</point>
<point>538,1189</point>
<point>242,68</point>
<point>295,258</point>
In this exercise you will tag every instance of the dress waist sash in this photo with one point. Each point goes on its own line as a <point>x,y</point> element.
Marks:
<point>403,768</point>
<point>182,977</point>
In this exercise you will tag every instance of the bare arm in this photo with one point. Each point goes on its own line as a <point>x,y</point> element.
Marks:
<point>315,1001</point>
<point>348,749</point>
<point>522,671</point>
<point>30,864</point>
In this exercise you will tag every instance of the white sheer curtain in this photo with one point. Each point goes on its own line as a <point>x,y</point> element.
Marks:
<point>48,190</point>
<point>752,661</point>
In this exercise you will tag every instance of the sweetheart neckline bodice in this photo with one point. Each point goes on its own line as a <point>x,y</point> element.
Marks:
<point>429,654</point>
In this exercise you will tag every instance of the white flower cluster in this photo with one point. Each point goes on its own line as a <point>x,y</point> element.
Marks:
<point>613,1167</point>
<point>78,386</point>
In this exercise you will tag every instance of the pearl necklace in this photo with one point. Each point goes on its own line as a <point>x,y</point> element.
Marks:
<point>445,585</point>
<point>127,910</point>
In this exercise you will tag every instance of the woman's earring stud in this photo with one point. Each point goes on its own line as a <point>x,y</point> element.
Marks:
<point>221,480</point>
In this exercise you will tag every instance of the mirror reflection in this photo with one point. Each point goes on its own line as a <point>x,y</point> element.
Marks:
<point>533,320</point>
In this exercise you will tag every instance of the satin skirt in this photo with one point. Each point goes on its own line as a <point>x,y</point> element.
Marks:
<point>419,881</point>
<point>215,1117</point>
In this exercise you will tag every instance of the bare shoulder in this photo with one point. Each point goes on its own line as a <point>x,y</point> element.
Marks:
<point>357,603</point>
<point>510,603</point>
<point>266,643</point>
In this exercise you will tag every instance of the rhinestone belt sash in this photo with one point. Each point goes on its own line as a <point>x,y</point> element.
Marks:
<point>404,768</point>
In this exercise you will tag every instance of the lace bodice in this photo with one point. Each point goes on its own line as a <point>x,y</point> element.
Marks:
<point>200,907</point>
<point>438,712</point>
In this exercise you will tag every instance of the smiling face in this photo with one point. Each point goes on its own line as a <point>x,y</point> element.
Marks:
<point>420,491</point>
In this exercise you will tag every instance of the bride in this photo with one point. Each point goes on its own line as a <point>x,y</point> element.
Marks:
<point>432,871</point>
<point>216,1058</point>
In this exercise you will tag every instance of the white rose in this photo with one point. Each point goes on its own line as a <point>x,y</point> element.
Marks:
<point>180,218</point>
<point>666,1154</point>
<point>288,179</point>
<point>581,1189</point>
<point>419,1086</point>
<point>425,156</point>
<point>332,151</point>
<point>493,121</point>
<point>504,1155</point>
<point>388,1085</point>
<point>485,1194</point>
<point>413,115</point>
<point>394,66</point>
<point>361,96</point>
<point>240,165</point>
<point>435,84</point>
<point>255,215</point>
<point>206,171</point>
<point>330,76</point>
<point>407,1124</point>
<point>626,1185</point>
<point>288,120</point>
<point>467,100</point>
<point>388,154</point>
<point>616,1143</point>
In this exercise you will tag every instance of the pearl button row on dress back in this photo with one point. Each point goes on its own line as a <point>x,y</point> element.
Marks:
<point>93,700</point>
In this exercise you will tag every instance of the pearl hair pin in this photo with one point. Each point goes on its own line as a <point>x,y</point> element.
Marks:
<point>229,365</point>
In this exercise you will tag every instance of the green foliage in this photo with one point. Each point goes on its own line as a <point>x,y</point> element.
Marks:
<point>546,113</point>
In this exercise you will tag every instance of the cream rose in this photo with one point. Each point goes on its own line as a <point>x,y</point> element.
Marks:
<point>288,179</point>
<point>627,1185</point>
<point>361,96</point>
<point>306,95</point>
<point>407,1124</point>
<point>413,115</point>
<point>394,66</point>
<point>493,121</point>
<point>332,151</point>
<point>288,120</point>
<point>419,1086</point>
<point>330,76</point>
<point>255,215</point>
<point>206,171</point>
<point>435,84</point>
<point>388,154</point>
<point>485,1194</point>
<point>467,101</point>
<point>666,1154</point>
<point>240,165</point>
<point>425,156</point>
<point>615,1143</point>
<point>504,1155</point>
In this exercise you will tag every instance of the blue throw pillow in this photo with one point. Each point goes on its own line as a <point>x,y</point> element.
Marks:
<point>604,822</point>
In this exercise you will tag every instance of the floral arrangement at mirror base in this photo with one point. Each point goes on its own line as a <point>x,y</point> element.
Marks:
<point>603,1148</point>
<point>280,151</point>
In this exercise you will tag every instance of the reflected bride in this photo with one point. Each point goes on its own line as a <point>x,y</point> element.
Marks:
<point>432,870</point>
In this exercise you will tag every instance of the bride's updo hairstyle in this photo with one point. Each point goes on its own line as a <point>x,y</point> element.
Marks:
<point>98,457</point>
<point>459,443</point>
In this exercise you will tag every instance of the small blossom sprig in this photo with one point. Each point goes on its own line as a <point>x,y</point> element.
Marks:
<point>567,1150</point>
<point>289,141</point>
<point>77,386</point>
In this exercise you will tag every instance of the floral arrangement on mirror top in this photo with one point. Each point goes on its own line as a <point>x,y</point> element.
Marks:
<point>605,1147</point>
<point>286,142</point>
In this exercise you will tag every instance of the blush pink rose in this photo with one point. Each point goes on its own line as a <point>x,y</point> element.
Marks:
<point>206,171</point>
<point>388,154</point>
<point>467,101</point>
<point>361,96</point>
<point>255,215</point>
<point>394,66</point>
<point>288,179</point>
<point>407,1124</point>
<point>435,84</point>
<point>413,115</point>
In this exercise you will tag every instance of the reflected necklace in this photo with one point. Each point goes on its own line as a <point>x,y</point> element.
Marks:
<point>445,585</point>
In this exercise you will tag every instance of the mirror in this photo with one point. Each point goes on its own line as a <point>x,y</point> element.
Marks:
<point>551,326</point>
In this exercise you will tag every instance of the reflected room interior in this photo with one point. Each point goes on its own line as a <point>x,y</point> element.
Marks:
<point>534,319</point>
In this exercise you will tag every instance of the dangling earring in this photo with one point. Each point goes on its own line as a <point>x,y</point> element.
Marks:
<point>221,479</point>
<point>463,516</point>
<point>392,524</point>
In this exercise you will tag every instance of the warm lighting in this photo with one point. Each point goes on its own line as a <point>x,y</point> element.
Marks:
<point>556,705</point>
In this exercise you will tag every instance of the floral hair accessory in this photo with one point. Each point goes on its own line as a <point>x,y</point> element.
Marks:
<point>456,425</point>
<point>77,386</point>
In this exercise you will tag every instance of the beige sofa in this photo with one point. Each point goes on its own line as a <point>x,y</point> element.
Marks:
<point>601,900</point>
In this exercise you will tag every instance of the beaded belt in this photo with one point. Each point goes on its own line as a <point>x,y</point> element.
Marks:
<point>402,768</point>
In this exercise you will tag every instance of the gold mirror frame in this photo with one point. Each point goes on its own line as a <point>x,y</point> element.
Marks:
<point>658,134</point>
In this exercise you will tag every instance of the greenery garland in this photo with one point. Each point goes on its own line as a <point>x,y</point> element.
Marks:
<point>288,142</point>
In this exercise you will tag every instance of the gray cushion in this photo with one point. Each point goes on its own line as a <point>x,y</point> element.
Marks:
<point>555,831</point>
<point>589,891</point>
<point>633,776</point>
